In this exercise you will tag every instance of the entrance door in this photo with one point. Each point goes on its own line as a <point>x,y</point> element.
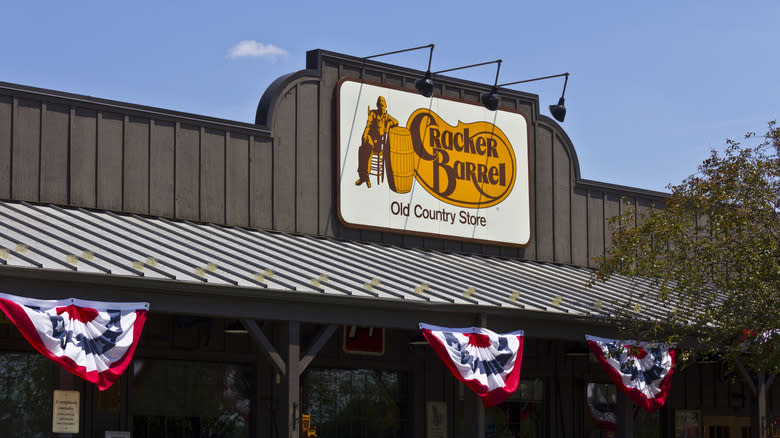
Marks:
<point>726,426</point>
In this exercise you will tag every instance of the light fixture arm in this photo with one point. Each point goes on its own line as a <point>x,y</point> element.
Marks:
<point>423,85</point>
<point>539,79</point>
<point>558,111</point>
<point>406,50</point>
<point>496,61</point>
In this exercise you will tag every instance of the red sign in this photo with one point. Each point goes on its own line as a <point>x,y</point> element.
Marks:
<point>364,340</point>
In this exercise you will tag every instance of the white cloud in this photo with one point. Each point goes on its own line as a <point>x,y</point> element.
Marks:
<point>253,48</point>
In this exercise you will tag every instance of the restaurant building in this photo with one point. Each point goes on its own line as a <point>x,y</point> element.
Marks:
<point>351,211</point>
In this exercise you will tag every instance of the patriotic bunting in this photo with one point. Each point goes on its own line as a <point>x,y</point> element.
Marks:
<point>642,371</point>
<point>486,362</point>
<point>93,340</point>
<point>601,406</point>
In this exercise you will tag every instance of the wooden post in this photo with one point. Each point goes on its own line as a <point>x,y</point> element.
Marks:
<point>290,364</point>
<point>759,388</point>
<point>290,388</point>
<point>624,411</point>
<point>761,394</point>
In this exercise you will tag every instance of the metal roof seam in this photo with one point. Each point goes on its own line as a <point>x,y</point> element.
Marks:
<point>405,280</point>
<point>39,252</point>
<point>57,248</point>
<point>107,239</point>
<point>145,245</point>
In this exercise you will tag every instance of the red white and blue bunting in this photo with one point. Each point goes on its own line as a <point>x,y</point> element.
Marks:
<point>91,339</point>
<point>601,406</point>
<point>486,362</point>
<point>643,371</point>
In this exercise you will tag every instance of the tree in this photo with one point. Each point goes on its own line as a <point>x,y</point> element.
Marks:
<point>712,255</point>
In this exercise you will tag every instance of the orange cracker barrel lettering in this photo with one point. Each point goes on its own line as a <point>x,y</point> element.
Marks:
<point>401,164</point>
<point>470,165</point>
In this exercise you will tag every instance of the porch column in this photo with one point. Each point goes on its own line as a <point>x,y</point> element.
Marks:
<point>290,364</point>
<point>624,411</point>
<point>290,388</point>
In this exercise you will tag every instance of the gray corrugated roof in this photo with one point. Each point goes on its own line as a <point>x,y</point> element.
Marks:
<point>74,239</point>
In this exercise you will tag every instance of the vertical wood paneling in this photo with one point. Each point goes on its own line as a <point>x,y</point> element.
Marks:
<point>611,209</point>
<point>212,176</point>
<point>237,180</point>
<point>490,250</point>
<point>417,241</point>
<point>453,245</point>
<point>109,161</point>
<point>162,168</point>
<point>433,243</point>
<point>26,150</point>
<point>530,250</point>
<point>579,227</point>
<point>452,92</point>
<point>187,181</point>
<point>595,225</point>
<point>54,154</point>
<point>693,389</point>
<point>261,180</point>
<point>708,380</point>
<point>643,206</point>
<point>394,80</point>
<point>328,220</point>
<point>136,165</point>
<point>562,202</point>
<point>83,158</point>
<point>6,106</point>
<point>545,213</point>
<point>284,162</point>
<point>307,158</point>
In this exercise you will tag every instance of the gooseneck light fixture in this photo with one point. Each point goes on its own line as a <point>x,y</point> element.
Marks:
<point>423,85</point>
<point>558,111</point>
<point>490,99</point>
<point>486,102</point>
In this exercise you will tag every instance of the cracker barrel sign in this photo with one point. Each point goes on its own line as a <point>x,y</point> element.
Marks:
<point>431,166</point>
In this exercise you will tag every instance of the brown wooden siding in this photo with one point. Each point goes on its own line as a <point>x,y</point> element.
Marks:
<point>569,219</point>
<point>114,156</point>
<point>63,150</point>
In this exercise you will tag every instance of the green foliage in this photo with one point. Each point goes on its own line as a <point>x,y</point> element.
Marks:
<point>713,254</point>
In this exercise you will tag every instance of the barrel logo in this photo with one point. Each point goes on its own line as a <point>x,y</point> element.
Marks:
<point>470,165</point>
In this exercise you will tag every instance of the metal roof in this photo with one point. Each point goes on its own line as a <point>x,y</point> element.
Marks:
<point>51,237</point>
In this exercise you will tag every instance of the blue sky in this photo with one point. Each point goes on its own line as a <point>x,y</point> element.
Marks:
<point>653,86</point>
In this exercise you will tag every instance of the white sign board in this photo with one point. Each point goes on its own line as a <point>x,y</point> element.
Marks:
<point>436,416</point>
<point>431,166</point>
<point>66,407</point>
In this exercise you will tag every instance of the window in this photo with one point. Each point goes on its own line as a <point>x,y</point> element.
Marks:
<point>520,416</point>
<point>600,418</point>
<point>194,399</point>
<point>25,395</point>
<point>361,403</point>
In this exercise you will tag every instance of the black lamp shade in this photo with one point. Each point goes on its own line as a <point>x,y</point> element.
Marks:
<point>489,100</point>
<point>235,327</point>
<point>558,111</point>
<point>424,86</point>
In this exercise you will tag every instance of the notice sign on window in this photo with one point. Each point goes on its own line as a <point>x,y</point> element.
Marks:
<point>436,415</point>
<point>65,418</point>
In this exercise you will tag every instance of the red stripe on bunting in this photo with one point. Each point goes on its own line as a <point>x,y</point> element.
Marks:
<point>482,339</point>
<point>102,379</point>
<point>648,402</point>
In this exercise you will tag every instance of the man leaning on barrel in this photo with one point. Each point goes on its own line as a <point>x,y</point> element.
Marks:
<point>374,138</point>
